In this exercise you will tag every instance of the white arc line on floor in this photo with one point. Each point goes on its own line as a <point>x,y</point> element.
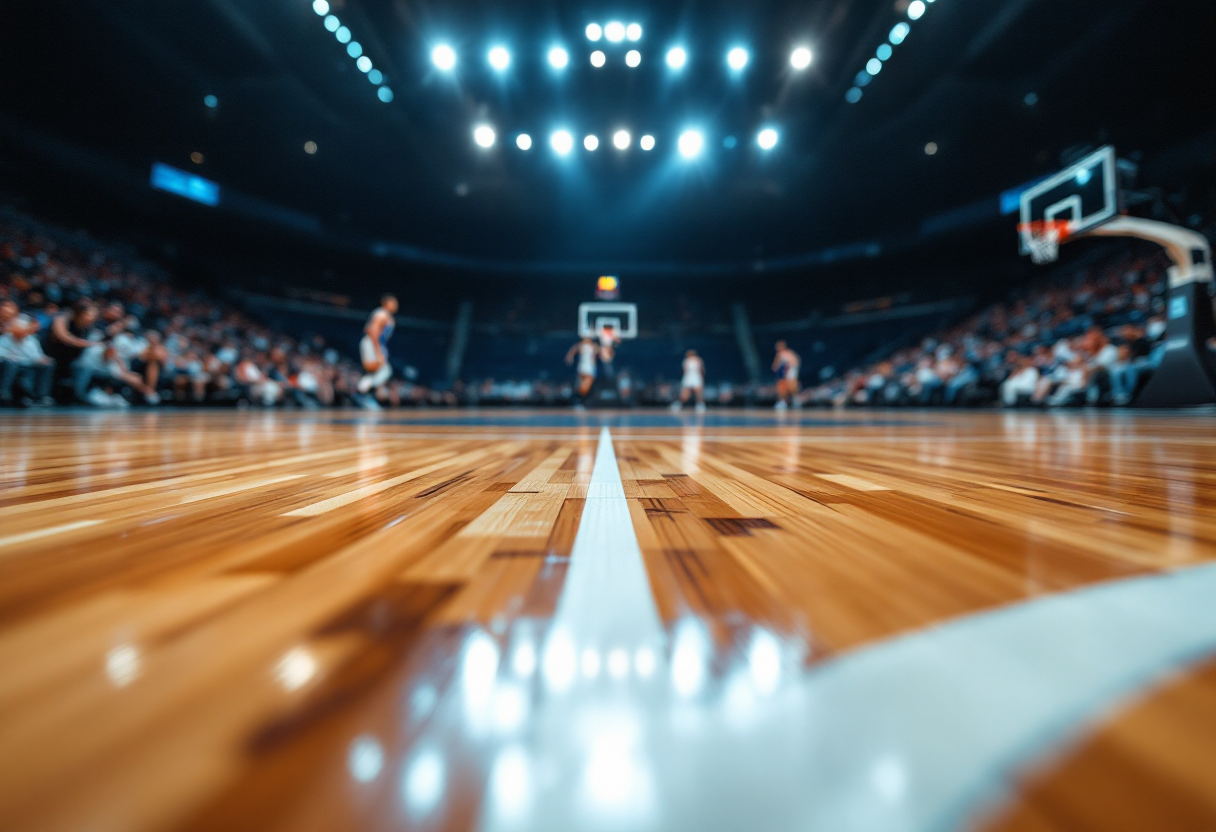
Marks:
<point>13,540</point>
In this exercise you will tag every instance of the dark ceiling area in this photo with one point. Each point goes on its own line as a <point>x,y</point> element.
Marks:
<point>94,92</point>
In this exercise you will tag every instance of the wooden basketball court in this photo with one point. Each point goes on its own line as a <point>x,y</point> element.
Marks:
<point>544,620</point>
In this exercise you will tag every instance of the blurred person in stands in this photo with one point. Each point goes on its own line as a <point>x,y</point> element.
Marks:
<point>786,365</point>
<point>693,382</point>
<point>1023,381</point>
<point>66,343</point>
<point>373,349</point>
<point>21,357</point>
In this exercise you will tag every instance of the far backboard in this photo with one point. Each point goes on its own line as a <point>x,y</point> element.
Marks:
<point>622,317</point>
<point>1084,195</point>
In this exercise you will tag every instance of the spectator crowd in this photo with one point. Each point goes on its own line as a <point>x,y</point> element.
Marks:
<point>1093,338</point>
<point>81,323</point>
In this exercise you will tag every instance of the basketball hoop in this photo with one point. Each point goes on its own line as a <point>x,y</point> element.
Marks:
<point>1042,239</point>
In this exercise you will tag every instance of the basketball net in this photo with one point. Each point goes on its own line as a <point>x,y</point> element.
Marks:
<point>1042,239</point>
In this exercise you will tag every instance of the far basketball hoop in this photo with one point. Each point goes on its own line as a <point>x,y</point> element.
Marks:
<point>1075,200</point>
<point>595,318</point>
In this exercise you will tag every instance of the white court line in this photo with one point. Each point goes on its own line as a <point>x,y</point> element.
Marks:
<point>26,537</point>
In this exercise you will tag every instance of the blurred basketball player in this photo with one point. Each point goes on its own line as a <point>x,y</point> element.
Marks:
<point>373,348</point>
<point>786,365</point>
<point>608,340</point>
<point>586,352</point>
<point>693,383</point>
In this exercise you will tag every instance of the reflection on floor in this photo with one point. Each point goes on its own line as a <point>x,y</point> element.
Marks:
<point>619,621</point>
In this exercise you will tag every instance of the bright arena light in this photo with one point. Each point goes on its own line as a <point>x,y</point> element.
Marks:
<point>915,9</point>
<point>873,66</point>
<point>385,94</point>
<point>499,58</point>
<point>800,58</point>
<point>594,32</point>
<point>634,31</point>
<point>364,64</point>
<point>615,31</point>
<point>646,142</point>
<point>884,52</point>
<point>484,135</point>
<point>562,142</point>
<point>342,34</point>
<point>321,7</point>
<point>332,23</point>
<point>767,138</point>
<point>523,141</point>
<point>443,57</point>
<point>737,58</point>
<point>633,57</point>
<point>621,139</point>
<point>676,57</point>
<point>558,58</point>
<point>375,76</point>
<point>898,33</point>
<point>597,59</point>
<point>591,142</point>
<point>691,142</point>
<point>354,49</point>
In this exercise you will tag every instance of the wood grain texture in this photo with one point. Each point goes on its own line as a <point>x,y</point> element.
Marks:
<point>200,612</point>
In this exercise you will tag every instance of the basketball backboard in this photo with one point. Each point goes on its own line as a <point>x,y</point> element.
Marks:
<point>622,317</point>
<point>1075,200</point>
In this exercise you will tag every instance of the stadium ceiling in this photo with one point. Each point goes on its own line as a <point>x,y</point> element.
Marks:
<point>279,106</point>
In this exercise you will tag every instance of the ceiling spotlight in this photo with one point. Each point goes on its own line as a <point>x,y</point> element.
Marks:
<point>375,76</point>
<point>364,64</point>
<point>342,34</point>
<point>615,31</point>
<point>853,95</point>
<point>676,57</point>
<point>499,58</point>
<point>899,32</point>
<point>634,31</point>
<point>591,143</point>
<point>646,142</point>
<point>197,158</point>
<point>621,139</point>
<point>915,9</point>
<point>523,141</point>
<point>321,7</point>
<point>767,138</point>
<point>690,144</point>
<point>594,32</point>
<point>443,57</point>
<point>633,57</point>
<point>332,23</point>
<point>597,59</point>
<point>483,134</point>
<point>354,49</point>
<point>211,101</point>
<point>737,58</point>
<point>562,142</point>
<point>873,66</point>
<point>558,58</point>
<point>884,52</point>
<point>310,147</point>
<point>800,58</point>
<point>931,149</point>
<point>385,94</point>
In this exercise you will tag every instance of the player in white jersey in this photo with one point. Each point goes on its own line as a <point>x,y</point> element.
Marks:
<point>786,365</point>
<point>586,351</point>
<point>373,348</point>
<point>693,383</point>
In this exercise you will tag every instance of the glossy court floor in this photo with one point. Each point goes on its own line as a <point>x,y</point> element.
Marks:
<point>554,621</point>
